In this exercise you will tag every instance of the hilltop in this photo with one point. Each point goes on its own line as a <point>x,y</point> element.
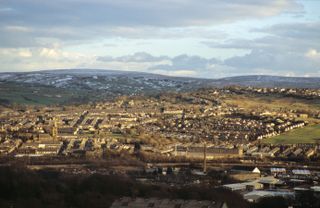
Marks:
<point>84,85</point>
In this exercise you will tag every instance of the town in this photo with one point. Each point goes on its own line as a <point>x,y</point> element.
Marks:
<point>175,138</point>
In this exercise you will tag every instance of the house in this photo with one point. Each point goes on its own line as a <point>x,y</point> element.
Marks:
<point>256,195</point>
<point>245,169</point>
<point>44,137</point>
<point>256,170</point>
<point>303,115</point>
<point>39,148</point>
<point>301,172</point>
<point>253,185</point>
<point>274,151</point>
<point>276,171</point>
<point>211,152</point>
<point>245,173</point>
<point>270,182</point>
<point>310,152</point>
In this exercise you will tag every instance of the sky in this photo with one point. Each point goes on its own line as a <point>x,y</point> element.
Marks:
<point>197,38</point>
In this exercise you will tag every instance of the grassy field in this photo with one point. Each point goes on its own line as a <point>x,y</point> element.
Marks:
<point>270,102</point>
<point>309,134</point>
<point>274,103</point>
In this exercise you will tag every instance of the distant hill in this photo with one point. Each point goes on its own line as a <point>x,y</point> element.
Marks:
<point>83,85</point>
<point>270,81</point>
<point>97,79</point>
<point>80,85</point>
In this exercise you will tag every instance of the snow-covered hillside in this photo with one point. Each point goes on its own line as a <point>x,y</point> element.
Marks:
<point>132,82</point>
<point>136,82</point>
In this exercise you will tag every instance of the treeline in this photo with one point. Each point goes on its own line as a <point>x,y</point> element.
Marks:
<point>20,187</point>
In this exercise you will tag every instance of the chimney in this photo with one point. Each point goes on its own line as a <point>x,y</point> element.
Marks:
<point>55,129</point>
<point>204,157</point>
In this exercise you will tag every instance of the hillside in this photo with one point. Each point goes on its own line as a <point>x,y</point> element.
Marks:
<point>74,86</point>
<point>84,85</point>
<point>270,81</point>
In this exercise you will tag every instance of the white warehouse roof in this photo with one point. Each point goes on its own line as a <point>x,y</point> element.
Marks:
<point>301,172</point>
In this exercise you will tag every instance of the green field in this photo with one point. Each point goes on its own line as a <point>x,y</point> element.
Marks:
<point>309,134</point>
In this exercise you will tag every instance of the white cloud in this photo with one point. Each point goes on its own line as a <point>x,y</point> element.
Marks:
<point>49,53</point>
<point>137,57</point>
<point>182,65</point>
<point>140,12</point>
<point>313,54</point>
<point>15,52</point>
<point>178,73</point>
<point>282,51</point>
<point>23,59</point>
<point>25,53</point>
<point>83,20</point>
<point>38,34</point>
<point>6,9</point>
<point>17,28</point>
